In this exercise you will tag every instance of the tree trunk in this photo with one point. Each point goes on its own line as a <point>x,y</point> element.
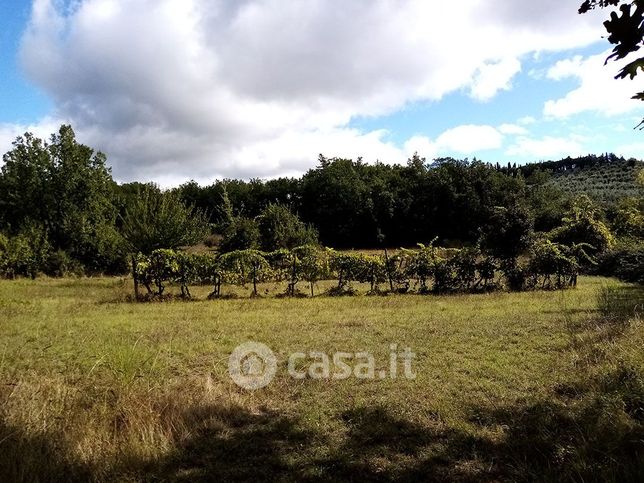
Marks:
<point>135,277</point>
<point>254,281</point>
<point>391,282</point>
<point>293,278</point>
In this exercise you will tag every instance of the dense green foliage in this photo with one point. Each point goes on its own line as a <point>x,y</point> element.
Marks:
<point>351,203</point>
<point>157,219</point>
<point>61,212</point>
<point>582,225</point>
<point>625,261</point>
<point>605,182</point>
<point>508,232</point>
<point>240,233</point>
<point>427,269</point>
<point>64,190</point>
<point>280,228</point>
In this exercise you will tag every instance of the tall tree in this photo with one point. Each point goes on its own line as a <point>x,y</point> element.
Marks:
<point>279,228</point>
<point>66,188</point>
<point>159,219</point>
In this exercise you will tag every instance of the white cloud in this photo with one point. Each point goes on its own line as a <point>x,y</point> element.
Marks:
<point>202,88</point>
<point>421,145</point>
<point>469,139</point>
<point>632,150</point>
<point>598,91</point>
<point>43,129</point>
<point>495,77</point>
<point>526,148</point>
<point>512,129</point>
<point>527,120</point>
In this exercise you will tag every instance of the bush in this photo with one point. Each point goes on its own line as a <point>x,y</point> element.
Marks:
<point>281,228</point>
<point>516,276</point>
<point>422,265</point>
<point>508,232</point>
<point>160,267</point>
<point>465,270</point>
<point>625,262</point>
<point>313,264</point>
<point>550,260</point>
<point>241,234</point>
<point>25,254</point>
<point>628,219</point>
<point>59,264</point>
<point>245,266</point>
<point>4,244</point>
<point>582,225</point>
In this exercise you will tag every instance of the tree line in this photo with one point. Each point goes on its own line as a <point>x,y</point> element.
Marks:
<point>62,212</point>
<point>425,270</point>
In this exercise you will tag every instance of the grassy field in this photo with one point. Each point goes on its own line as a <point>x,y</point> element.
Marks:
<point>543,385</point>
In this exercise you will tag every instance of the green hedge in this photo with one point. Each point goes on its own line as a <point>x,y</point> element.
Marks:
<point>549,265</point>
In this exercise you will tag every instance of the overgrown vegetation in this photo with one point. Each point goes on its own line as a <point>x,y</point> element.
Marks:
<point>428,269</point>
<point>509,387</point>
<point>61,212</point>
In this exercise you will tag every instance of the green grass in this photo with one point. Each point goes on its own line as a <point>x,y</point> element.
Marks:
<point>533,385</point>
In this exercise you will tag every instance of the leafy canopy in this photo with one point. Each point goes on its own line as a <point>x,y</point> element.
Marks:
<point>157,219</point>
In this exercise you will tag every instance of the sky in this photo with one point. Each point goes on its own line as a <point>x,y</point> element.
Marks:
<point>173,90</point>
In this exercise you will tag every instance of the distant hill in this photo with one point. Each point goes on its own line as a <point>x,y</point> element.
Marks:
<point>605,178</point>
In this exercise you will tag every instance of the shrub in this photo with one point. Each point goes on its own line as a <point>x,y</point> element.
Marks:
<point>486,268</point>
<point>444,277</point>
<point>422,265</point>
<point>241,234</point>
<point>549,260</point>
<point>582,225</point>
<point>508,232</point>
<point>628,219</point>
<point>186,272</point>
<point>245,266</point>
<point>625,262</point>
<point>313,264</point>
<point>280,228</point>
<point>58,264</point>
<point>4,244</point>
<point>516,276</point>
<point>25,253</point>
<point>372,271</point>
<point>465,270</point>
<point>163,266</point>
<point>208,271</point>
<point>347,267</point>
<point>398,270</point>
<point>465,267</point>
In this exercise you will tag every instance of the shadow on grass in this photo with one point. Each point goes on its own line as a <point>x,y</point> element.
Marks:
<point>230,444</point>
<point>40,457</point>
<point>597,437</point>
<point>591,429</point>
<point>621,303</point>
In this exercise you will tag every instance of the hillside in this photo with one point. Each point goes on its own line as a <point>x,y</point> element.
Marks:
<point>603,178</point>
